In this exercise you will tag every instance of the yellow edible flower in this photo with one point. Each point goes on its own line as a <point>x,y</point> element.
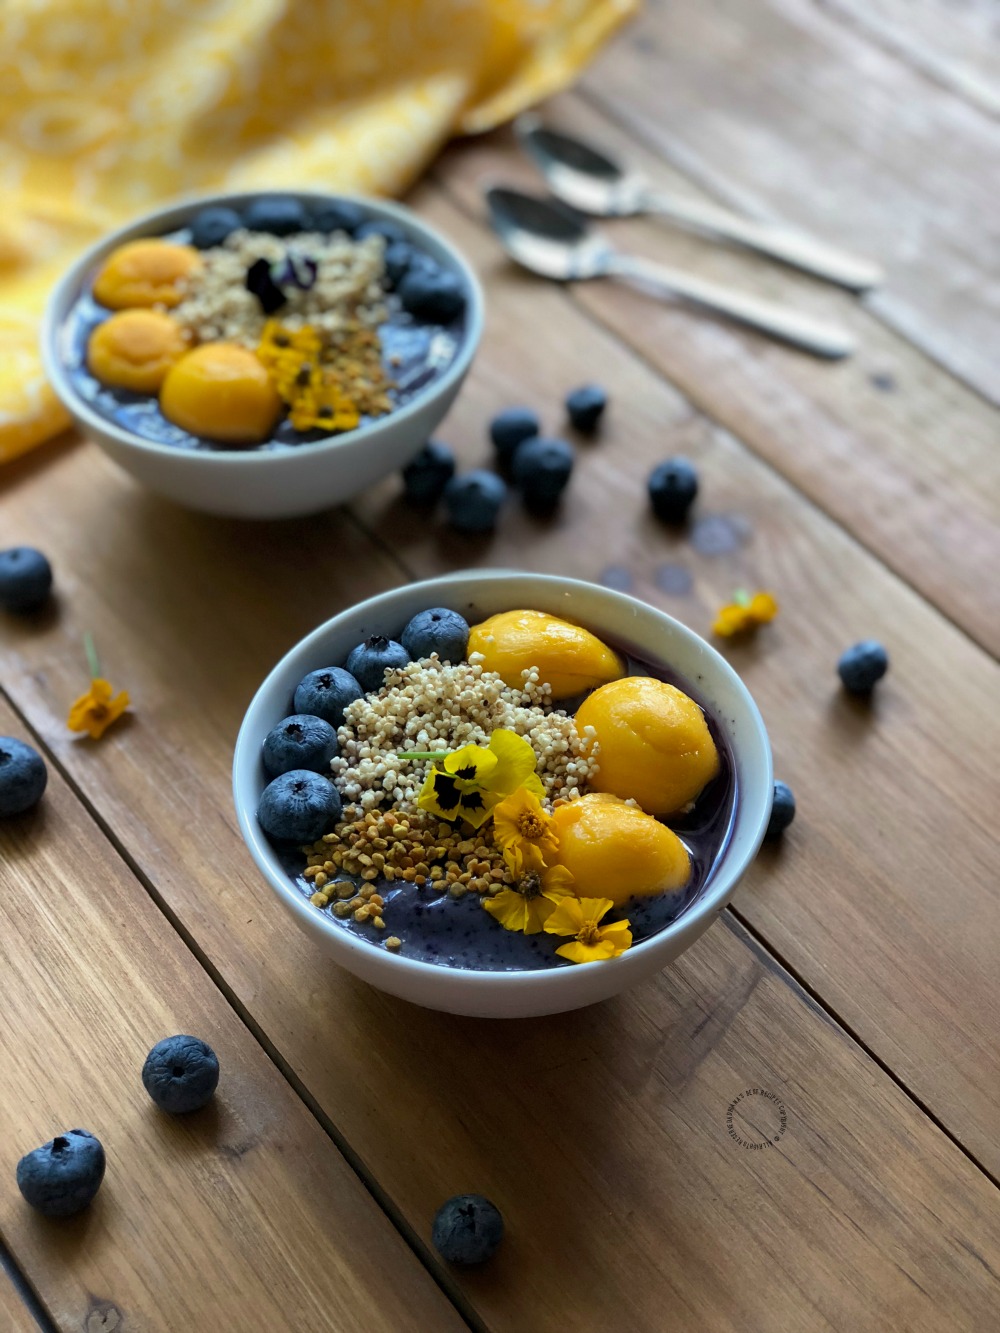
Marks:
<point>537,892</point>
<point>593,943</point>
<point>95,711</point>
<point>521,821</point>
<point>476,778</point>
<point>314,398</point>
<point>745,613</point>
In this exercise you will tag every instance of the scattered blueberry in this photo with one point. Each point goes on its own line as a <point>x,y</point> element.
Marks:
<point>25,579</point>
<point>672,488</point>
<point>782,811</point>
<point>585,407</point>
<point>863,665</point>
<point>326,693</point>
<point>61,1177</point>
<point>368,662</point>
<point>436,631</point>
<point>301,741</point>
<point>467,1230</point>
<point>299,806</point>
<point>474,500</point>
<point>429,473</point>
<point>212,225</point>
<point>541,469</point>
<point>337,215</point>
<point>277,214</point>
<point>431,293</point>
<point>181,1074</point>
<point>385,227</point>
<point>509,428</point>
<point>398,257</point>
<point>23,776</point>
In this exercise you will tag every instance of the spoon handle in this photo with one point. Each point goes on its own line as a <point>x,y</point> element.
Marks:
<point>803,331</point>
<point>791,247</point>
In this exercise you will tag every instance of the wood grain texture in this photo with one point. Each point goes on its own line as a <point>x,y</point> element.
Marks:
<point>15,1317</point>
<point>784,109</point>
<point>241,1217</point>
<point>898,451</point>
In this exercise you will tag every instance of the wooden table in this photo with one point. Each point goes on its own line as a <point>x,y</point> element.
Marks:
<point>855,977</point>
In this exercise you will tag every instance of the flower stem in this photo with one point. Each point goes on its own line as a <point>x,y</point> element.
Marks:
<point>92,662</point>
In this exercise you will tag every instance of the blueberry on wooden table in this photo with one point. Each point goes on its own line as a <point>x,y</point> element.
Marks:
<point>432,294</point>
<point>585,407</point>
<point>277,214</point>
<point>369,661</point>
<point>181,1074</point>
<point>467,1230</point>
<point>300,741</point>
<point>437,630</point>
<point>211,226</point>
<point>23,776</point>
<point>782,810</point>
<point>326,693</point>
<point>298,806</point>
<point>474,500</point>
<point>862,666</point>
<point>509,428</point>
<point>425,478</point>
<point>541,469</point>
<point>25,579</point>
<point>62,1176</point>
<point>672,487</point>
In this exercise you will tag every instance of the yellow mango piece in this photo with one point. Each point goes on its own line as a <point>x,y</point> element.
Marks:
<point>569,658</point>
<point>223,392</point>
<point>616,851</point>
<point>134,349</point>
<point>655,745</point>
<point>145,273</point>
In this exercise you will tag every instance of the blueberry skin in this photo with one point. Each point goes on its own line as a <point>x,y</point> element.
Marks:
<point>211,226</point>
<point>509,428</point>
<point>301,741</point>
<point>432,294</point>
<point>863,665</point>
<point>337,216</point>
<point>585,407</point>
<point>474,501</point>
<point>25,579</point>
<point>436,631</point>
<point>672,487</point>
<point>299,806</point>
<point>397,259</point>
<point>326,693</point>
<point>62,1176</point>
<point>367,663</point>
<point>541,469</point>
<point>181,1074</point>
<point>390,231</point>
<point>278,215</point>
<point>23,776</point>
<point>467,1230</point>
<point>426,477</point>
<point>782,811</point>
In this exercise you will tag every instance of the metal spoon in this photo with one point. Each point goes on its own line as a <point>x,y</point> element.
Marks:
<point>550,240</point>
<point>592,183</point>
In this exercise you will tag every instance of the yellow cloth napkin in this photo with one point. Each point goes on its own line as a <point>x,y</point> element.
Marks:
<point>109,107</point>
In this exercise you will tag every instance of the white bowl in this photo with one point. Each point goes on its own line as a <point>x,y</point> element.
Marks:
<point>623,621</point>
<point>280,483</point>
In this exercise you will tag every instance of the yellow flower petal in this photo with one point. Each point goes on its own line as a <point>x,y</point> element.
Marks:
<point>587,953</point>
<point>567,919</point>
<point>763,607</point>
<point>511,910</point>
<point>732,619</point>
<point>520,820</point>
<point>472,763</point>
<point>95,711</point>
<point>515,766</point>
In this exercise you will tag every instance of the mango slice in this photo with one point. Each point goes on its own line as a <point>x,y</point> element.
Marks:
<point>569,658</point>
<point>616,851</point>
<point>655,745</point>
<point>221,391</point>
<point>145,273</point>
<point>134,349</point>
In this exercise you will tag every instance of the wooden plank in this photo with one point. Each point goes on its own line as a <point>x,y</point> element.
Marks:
<point>898,451</point>
<point>833,135</point>
<point>244,1216</point>
<point>15,1317</point>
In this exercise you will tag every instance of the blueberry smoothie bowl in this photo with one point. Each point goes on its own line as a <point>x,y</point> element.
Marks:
<point>503,794</point>
<point>264,355</point>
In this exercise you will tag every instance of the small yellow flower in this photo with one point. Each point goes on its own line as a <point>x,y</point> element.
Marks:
<point>745,613</point>
<point>95,711</point>
<point>476,778</point>
<point>593,943</point>
<point>534,897</point>
<point>521,820</point>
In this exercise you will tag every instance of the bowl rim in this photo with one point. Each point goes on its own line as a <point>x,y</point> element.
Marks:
<point>713,898</point>
<point>177,214</point>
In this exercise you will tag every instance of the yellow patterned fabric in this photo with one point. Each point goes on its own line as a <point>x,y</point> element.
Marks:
<point>110,107</point>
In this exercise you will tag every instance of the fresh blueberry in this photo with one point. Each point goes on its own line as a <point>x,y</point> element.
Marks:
<point>277,214</point>
<point>467,1230</point>
<point>474,500</point>
<point>863,665</point>
<point>211,226</point>
<point>429,473</point>
<point>301,741</point>
<point>368,662</point>
<point>181,1074</point>
<point>432,294</point>
<point>541,469</point>
<point>782,810</point>
<point>23,776</point>
<point>436,631</point>
<point>326,693</point>
<point>25,579</point>
<point>337,215</point>
<point>61,1177</point>
<point>585,407</point>
<point>390,231</point>
<point>299,806</point>
<point>399,255</point>
<point>509,428</point>
<point>672,488</point>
